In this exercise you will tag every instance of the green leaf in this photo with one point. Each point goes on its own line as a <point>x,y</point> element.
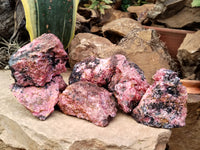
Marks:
<point>196,3</point>
<point>55,16</point>
<point>108,1</point>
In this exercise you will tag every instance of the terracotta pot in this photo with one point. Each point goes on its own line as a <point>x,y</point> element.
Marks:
<point>193,86</point>
<point>171,37</point>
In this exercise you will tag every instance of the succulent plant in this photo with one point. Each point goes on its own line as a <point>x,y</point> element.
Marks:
<point>55,16</point>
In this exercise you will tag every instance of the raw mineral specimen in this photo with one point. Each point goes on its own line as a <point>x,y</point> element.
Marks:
<point>128,83</point>
<point>37,62</point>
<point>93,69</point>
<point>88,101</point>
<point>40,100</point>
<point>164,103</point>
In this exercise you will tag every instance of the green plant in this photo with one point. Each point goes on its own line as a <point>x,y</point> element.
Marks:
<point>99,5</point>
<point>126,3</point>
<point>196,3</point>
<point>55,16</point>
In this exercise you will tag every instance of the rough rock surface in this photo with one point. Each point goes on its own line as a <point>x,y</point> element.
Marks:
<point>88,101</point>
<point>144,48</point>
<point>185,18</point>
<point>164,103</point>
<point>7,18</point>
<point>189,56</point>
<point>119,28</point>
<point>128,84</point>
<point>40,101</point>
<point>166,8</point>
<point>94,70</point>
<point>37,62</point>
<point>19,129</point>
<point>187,137</point>
<point>86,44</point>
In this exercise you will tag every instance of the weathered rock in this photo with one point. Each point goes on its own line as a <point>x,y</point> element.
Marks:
<point>7,18</point>
<point>187,17</point>
<point>141,11</point>
<point>113,14</point>
<point>144,48</point>
<point>119,28</point>
<point>164,103</point>
<point>88,101</point>
<point>19,129</point>
<point>128,83</point>
<point>40,101</point>
<point>189,55</point>
<point>86,44</point>
<point>37,62</point>
<point>166,8</point>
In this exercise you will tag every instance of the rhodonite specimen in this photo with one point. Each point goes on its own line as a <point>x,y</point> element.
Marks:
<point>88,101</point>
<point>40,101</point>
<point>93,69</point>
<point>37,62</point>
<point>128,83</point>
<point>164,103</point>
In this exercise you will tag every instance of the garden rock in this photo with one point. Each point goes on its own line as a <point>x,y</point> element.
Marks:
<point>19,129</point>
<point>166,8</point>
<point>119,28</point>
<point>86,44</point>
<point>144,48</point>
<point>187,17</point>
<point>189,56</point>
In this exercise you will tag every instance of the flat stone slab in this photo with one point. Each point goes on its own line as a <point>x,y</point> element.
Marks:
<point>19,129</point>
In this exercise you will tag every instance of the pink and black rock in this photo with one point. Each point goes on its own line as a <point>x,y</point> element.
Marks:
<point>39,61</point>
<point>128,83</point>
<point>36,68</point>
<point>94,70</point>
<point>40,101</point>
<point>88,101</point>
<point>164,103</point>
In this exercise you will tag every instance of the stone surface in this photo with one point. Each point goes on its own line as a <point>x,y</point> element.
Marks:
<point>128,84</point>
<point>37,62</point>
<point>187,138</point>
<point>166,8</point>
<point>140,46</point>
<point>117,29</point>
<point>185,18</point>
<point>141,11</point>
<point>19,129</point>
<point>94,70</point>
<point>88,101</point>
<point>189,56</point>
<point>86,44</point>
<point>144,48</point>
<point>7,18</point>
<point>40,101</point>
<point>164,103</point>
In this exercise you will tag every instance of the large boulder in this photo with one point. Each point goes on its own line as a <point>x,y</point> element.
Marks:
<point>189,56</point>
<point>19,129</point>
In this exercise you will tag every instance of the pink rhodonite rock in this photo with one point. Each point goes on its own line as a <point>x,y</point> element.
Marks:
<point>164,103</point>
<point>88,101</point>
<point>40,101</point>
<point>37,62</point>
<point>94,70</point>
<point>128,83</point>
